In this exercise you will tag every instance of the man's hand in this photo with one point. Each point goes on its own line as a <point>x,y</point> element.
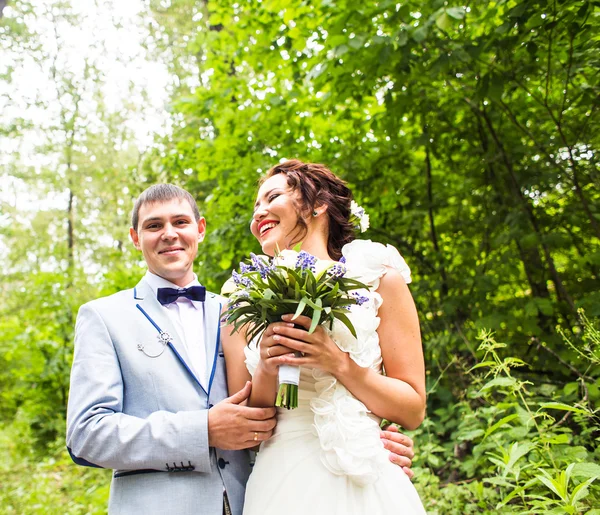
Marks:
<point>400,447</point>
<point>232,426</point>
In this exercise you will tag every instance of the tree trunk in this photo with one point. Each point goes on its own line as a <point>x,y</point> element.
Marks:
<point>433,232</point>
<point>524,204</point>
<point>531,259</point>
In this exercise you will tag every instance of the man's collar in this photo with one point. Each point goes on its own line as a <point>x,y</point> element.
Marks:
<point>155,282</point>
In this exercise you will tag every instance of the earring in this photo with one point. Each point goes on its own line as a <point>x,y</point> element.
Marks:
<point>314,213</point>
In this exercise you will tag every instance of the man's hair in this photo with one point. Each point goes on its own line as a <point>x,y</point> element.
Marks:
<point>161,193</point>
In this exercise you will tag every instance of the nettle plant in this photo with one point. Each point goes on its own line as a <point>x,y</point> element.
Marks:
<point>516,447</point>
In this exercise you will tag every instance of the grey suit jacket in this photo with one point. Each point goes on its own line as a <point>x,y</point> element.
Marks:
<point>147,417</point>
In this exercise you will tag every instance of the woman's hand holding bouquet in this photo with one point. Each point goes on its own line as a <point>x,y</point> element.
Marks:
<point>287,300</point>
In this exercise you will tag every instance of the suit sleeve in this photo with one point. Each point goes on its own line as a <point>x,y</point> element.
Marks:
<point>100,434</point>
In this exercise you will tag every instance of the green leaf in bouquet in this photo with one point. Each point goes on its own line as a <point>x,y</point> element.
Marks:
<point>263,311</point>
<point>311,284</point>
<point>351,284</point>
<point>297,290</point>
<point>300,309</point>
<point>316,318</point>
<point>346,321</point>
<point>334,291</point>
<point>276,283</point>
<point>257,280</point>
<point>294,275</point>
<point>318,304</point>
<point>256,330</point>
<point>289,290</point>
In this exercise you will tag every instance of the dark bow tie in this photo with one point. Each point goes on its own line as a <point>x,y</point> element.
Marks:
<point>168,295</point>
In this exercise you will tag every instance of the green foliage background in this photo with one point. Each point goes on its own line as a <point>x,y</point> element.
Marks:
<point>469,132</point>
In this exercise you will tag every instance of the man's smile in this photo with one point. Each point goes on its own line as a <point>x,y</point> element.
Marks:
<point>171,251</point>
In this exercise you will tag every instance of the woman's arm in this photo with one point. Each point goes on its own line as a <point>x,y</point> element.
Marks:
<point>265,380</point>
<point>235,361</point>
<point>400,394</point>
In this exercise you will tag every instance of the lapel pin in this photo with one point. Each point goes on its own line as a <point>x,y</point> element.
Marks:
<point>164,339</point>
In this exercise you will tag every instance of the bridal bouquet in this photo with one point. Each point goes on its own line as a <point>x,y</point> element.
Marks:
<point>292,282</point>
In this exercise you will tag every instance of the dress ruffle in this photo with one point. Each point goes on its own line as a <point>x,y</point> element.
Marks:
<point>348,433</point>
<point>368,260</point>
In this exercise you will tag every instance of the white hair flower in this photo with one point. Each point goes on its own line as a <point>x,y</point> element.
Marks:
<point>358,217</point>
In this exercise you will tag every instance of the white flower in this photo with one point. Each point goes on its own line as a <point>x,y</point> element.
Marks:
<point>356,210</point>
<point>287,258</point>
<point>229,287</point>
<point>358,217</point>
<point>364,223</point>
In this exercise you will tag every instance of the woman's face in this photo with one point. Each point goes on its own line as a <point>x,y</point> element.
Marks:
<point>275,220</point>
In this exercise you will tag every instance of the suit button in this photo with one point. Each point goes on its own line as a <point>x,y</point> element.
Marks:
<point>222,463</point>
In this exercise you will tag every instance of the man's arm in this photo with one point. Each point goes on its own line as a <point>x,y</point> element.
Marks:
<point>99,433</point>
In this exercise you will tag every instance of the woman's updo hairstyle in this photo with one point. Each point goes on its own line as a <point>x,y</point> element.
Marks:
<point>319,186</point>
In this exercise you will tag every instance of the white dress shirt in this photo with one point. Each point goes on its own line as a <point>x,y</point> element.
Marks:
<point>188,318</point>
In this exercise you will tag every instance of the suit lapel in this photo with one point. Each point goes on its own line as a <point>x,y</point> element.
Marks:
<point>212,317</point>
<point>145,299</point>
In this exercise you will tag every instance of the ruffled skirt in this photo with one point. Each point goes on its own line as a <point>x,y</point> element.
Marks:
<point>290,477</point>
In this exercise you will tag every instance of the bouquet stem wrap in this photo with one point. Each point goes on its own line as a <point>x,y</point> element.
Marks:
<point>289,379</point>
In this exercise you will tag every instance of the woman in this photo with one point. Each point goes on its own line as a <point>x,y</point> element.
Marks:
<point>326,456</point>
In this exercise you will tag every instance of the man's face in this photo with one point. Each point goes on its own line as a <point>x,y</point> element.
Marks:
<point>168,236</point>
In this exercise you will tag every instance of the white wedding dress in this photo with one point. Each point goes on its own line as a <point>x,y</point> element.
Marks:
<point>326,456</point>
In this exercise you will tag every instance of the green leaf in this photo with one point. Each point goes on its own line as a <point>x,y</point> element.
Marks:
<point>315,320</point>
<point>563,407</point>
<point>501,382</point>
<point>552,484</point>
<point>334,41</point>
<point>300,308</point>
<point>402,38</point>
<point>457,13</point>
<point>470,435</point>
<point>340,50</point>
<point>346,321</point>
<point>586,470</point>
<point>581,491</point>
<point>502,422</point>
<point>443,21</point>
<point>420,34</point>
<point>483,364</point>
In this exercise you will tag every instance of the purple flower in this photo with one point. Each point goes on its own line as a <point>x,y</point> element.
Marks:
<point>360,299</point>
<point>306,261</point>
<point>343,260</point>
<point>237,278</point>
<point>337,270</point>
<point>246,268</point>
<point>261,266</point>
<point>240,279</point>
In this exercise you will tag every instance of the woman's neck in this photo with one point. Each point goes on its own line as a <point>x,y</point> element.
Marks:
<point>316,246</point>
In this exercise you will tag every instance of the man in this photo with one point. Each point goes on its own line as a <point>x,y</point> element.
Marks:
<point>148,393</point>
